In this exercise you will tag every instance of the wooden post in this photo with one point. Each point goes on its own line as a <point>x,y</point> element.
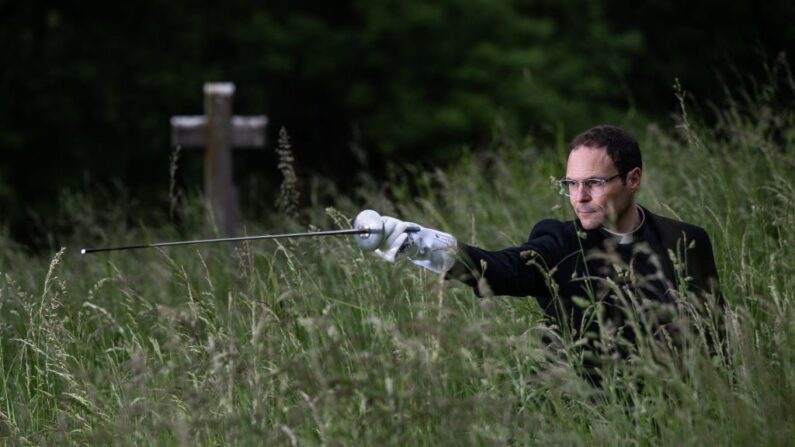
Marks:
<point>219,191</point>
<point>219,132</point>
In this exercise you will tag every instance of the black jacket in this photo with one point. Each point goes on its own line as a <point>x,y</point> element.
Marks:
<point>563,267</point>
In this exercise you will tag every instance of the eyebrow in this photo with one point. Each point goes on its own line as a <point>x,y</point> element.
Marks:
<point>586,178</point>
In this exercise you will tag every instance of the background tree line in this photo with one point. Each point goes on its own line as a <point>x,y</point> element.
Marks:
<point>86,89</point>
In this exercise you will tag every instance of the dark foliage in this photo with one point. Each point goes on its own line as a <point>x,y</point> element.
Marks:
<point>88,88</point>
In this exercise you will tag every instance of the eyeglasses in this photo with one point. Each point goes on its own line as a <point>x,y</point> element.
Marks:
<point>594,186</point>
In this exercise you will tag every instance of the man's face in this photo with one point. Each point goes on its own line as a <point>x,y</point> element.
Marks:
<point>593,208</point>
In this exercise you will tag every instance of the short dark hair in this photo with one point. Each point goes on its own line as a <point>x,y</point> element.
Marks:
<point>621,146</point>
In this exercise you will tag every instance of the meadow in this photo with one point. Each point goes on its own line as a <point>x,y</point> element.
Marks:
<point>314,342</point>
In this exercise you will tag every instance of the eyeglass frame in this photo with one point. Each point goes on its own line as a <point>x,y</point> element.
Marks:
<point>566,184</point>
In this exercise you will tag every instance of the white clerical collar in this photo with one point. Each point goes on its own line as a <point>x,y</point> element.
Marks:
<point>627,238</point>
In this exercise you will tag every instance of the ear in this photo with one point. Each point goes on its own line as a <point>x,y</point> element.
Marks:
<point>633,179</point>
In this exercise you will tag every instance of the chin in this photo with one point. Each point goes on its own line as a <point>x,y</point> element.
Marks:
<point>590,221</point>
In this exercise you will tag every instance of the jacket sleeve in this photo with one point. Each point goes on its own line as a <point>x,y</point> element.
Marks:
<point>706,286</point>
<point>513,271</point>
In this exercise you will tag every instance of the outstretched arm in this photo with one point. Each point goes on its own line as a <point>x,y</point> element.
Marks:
<point>515,271</point>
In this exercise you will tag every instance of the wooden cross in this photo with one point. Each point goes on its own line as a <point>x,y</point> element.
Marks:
<point>218,131</point>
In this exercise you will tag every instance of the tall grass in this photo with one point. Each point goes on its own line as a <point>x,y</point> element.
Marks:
<point>314,342</point>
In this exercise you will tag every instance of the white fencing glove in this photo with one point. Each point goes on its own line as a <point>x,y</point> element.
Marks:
<point>394,237</point>
<point>431,249</point>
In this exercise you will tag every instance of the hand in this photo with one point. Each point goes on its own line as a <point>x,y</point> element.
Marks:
<point>394,237</point>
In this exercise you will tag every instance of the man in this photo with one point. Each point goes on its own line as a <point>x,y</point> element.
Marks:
<point>601,273</point>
